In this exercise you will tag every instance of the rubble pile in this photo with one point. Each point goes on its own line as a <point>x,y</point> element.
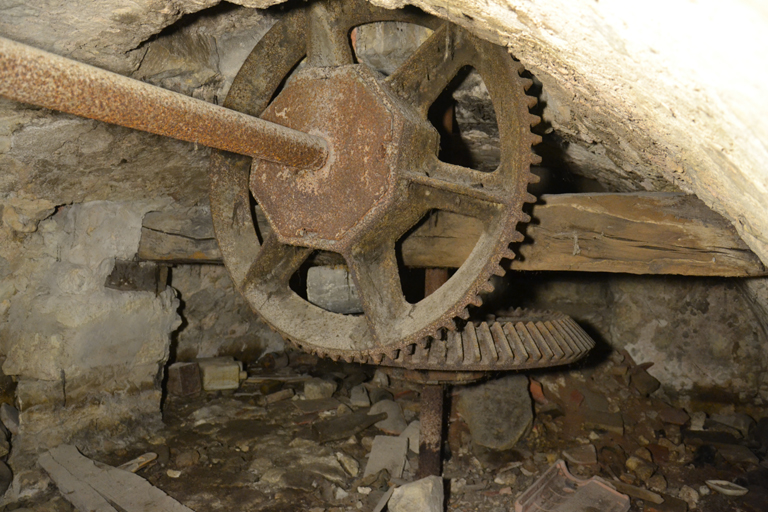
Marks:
<point>300,433</point>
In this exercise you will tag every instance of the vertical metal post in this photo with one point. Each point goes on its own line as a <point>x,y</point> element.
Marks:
<point>431,433</point>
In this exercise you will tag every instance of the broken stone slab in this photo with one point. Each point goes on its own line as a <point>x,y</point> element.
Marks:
<point>344,427</point>
<point>607,421</point>
<point>412,433</point>
<point>6,477</point>
<point>643,382</point>
<point>583,455</point>
<point>9,415</point>
<point>498,412</point>
<point>316,388</point>
<point>278,396</point>
<point>387,452</point>
<point>94,488</point>
<point>673,415</point>
<point>736,454</point>
<point>221,373</point>
<point>358,396</point>
<point>578,495</point>
<point>741,422</point>
<point>395,422</point>
<point>184,379</point>
<point>349,463</point>
<point>317,405</point>
<point>425,495</point>
<point>637,492</point>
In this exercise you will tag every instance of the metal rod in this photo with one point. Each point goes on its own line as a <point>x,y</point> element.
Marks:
<point>33,76</point>
<point>431,431</point>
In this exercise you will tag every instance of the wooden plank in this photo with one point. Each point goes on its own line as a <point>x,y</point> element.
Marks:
<point>81,495</point>
<point>637,233</point>
<point>128,492</point>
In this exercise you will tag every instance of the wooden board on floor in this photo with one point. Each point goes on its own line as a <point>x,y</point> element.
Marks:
<point>95,485</point>
<point>637,233</point>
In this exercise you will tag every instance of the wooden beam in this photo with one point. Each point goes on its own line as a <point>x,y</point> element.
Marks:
<point>638,233</point>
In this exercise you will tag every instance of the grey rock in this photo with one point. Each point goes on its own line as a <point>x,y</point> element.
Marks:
<point>315,389</point>
<point>425,495</point>
<point>412,433</point>
<point>380,378</point>
<point>6,477</point>
<point>332,289</point>
<point>9,415</point>
<point>378,394</point>
<point>741,422</point>
<point>349,463</point>
<point>395,422</point>
<point>358,396</point>
<point>498,412</point>
<point>387,452</point>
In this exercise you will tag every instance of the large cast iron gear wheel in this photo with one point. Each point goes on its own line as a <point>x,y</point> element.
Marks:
<point>383,175</point>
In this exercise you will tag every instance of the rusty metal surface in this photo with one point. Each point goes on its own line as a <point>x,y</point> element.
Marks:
<point>33,76</point>
<point>366,230</point>
<point>431,431</point>
<point>320,208</point>
<point>524,340</point>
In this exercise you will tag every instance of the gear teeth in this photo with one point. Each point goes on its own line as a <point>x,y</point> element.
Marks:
<point>532,101</point>
<point>451,326</point>
<point>476,301</point>
<point>499,271</point>
<point>529,198</point>
<point>527,83</point>
<point>534,119</point>
<point>534,178</point>
<point>518,237</point>
<point>509,254</point>
<point>378,358</point>
<point>464,314</point>
<point>487,287</point>
<point>424,342</point>
<point>535,160</point>
<point>535,139</point>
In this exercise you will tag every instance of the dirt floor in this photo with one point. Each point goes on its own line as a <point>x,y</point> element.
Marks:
<point>234,451</point>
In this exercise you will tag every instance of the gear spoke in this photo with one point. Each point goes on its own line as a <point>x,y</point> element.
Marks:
<point>377,277</point>
<point>426,73</point>
<point>328,43</point>
<point>273,266</point>
<point>461,190</point>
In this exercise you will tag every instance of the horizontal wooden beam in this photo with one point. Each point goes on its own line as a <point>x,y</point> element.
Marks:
<point>638,233</point>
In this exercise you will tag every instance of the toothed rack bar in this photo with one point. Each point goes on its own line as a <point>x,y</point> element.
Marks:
<point>524,340</point>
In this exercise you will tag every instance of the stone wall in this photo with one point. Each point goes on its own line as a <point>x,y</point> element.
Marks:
<point>85,356</point>
<point>702,336</point>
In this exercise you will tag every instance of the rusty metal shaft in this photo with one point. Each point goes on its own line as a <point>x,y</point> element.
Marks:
<point>33,76</point>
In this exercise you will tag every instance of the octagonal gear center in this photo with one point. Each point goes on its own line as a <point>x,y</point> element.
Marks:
<point>371,135</point>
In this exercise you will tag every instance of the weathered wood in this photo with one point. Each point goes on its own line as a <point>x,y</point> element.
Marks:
<point>81,495</point>
<point>638,233</point>
<point>126,491</point>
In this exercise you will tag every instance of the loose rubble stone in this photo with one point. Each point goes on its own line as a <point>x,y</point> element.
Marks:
<point>498,412</point>
<point>673,416</point>
<point>583,455</point>
<point>640,467</point>
<point>697,420</point>
<point>644,382</point>
<point>425,495</point>
<point>657,483</point>
<point>377,394</point>
<point>318,388</point>
<point>735,453</point>
<point>380,378</point>
<point>412,433</point>
<point>388,453</point>
<point>6,477</point>
<point>741,422</point>
<point>358,396</point>
<point>187,458</point>
<point>220,373</point>
<point>689,495</point>
<point>610,422</point>
<point>395,423</point>
<point>184,379</point>
<point>349,463</point>
<point>9,415</point>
